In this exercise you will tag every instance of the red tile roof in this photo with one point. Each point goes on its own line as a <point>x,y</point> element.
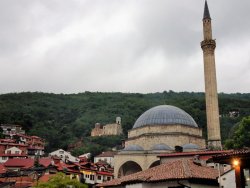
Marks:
<point>104,173</point>
<point>36,147</point>
<point>45,161</point>
<point>23,135</point>
<point>21,182</point>
<point>13,155</point>
<point>177,154</point>
<point>2,169</point>
<point>46,177</point>
<point>175,170</point>
<point>226,157</point>
<point>22,163</point>
<point>7,140</point>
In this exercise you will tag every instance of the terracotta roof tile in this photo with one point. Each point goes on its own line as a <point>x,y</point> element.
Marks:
<point>180,169</point>
<point>45,161</point>
<point>2,169</point>
<point>206,152</point>
<point>46,177</point>
<point>23,163</point>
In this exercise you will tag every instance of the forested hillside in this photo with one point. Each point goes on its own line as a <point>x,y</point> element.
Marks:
<point>62,119</point>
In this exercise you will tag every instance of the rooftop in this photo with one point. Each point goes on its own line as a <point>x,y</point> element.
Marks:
<point>22,163</point>
<point>175,170</point>
<point>165,115</point>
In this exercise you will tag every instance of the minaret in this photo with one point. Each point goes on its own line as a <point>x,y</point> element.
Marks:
<point>208,46</point>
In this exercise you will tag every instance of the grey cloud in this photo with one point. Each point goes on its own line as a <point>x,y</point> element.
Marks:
<point>114,45</point>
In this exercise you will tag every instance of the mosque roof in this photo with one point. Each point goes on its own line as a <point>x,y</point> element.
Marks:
<point>161,147</point>
<point>165,115</point>
<point>175,170</point>
<point>133,148</point>
<point>206,12</point>
<point>190,146</point>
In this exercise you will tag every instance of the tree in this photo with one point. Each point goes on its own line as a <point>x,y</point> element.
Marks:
<point>241,135</point>
<point>60,180</point>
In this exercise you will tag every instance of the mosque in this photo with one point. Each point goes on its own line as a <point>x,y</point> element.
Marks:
<point>168,129</point>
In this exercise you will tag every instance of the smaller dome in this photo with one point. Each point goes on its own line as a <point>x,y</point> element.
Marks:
<point>190,146</point>
<point>161,147</point>
<point>133,148</point>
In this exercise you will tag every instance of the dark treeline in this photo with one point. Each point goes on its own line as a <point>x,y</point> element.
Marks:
<point>64,118</point>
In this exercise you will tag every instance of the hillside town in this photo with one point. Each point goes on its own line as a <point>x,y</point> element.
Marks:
<point>23,162</point>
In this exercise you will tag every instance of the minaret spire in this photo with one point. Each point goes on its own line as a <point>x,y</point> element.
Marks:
<point>212,109</point>
<point>206,14</point>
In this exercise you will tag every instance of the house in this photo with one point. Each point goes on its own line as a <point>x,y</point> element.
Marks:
<point>64,155</point>
<point>35,144</point>
<point>178,173</point>
<point>96,173</point>
<point>12,153</point>
<point>10,150</point>
<point>10,130</point>
<point>107,156</point>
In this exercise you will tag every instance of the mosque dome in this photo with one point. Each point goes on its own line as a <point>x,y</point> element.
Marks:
<point>165,115</point>
<point>133,148</point>
<point>161,147</point>
<point>190,146</point>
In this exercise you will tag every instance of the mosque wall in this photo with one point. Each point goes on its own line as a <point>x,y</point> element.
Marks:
<point>165,129</point>
<point>173,139</point>
<point>143,160</point>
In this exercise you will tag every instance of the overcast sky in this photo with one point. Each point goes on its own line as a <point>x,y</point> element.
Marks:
<point>71,46</point>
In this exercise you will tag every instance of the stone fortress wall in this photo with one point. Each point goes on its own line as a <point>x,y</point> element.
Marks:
<point>108,129</point>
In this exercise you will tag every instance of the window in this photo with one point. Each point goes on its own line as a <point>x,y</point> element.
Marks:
<point>99,177</point>
<point>61,152</point>
<point>16,152</point>
<point>4,158</point>
<point>92,177</point>
<point>108,178</point>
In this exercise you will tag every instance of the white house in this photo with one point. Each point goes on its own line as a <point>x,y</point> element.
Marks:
<point>227,180</point>
<point>64,155</point>
<point>11,153</point>
<point>107,156</point>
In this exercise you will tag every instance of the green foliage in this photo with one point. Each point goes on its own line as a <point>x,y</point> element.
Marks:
<point>62,119</point>
<point>60,180</point>
<point>96,145</point>
<point>241,135</point>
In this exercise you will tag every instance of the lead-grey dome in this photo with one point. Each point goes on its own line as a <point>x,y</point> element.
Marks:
<point>190,146</point>
<point>165,115</point>
<point>133,148</point>
<point>161,147</point>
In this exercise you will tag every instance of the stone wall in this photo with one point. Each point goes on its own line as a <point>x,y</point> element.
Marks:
<point>171,135</point>
<point>112,129</point>
<point>143,159</point>
<point>97,131</point>
<point>147,141</point>
<point>109,129</point>
<point>164,129</point>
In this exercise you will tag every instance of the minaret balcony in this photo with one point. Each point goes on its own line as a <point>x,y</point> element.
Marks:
<point>208,44</point>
